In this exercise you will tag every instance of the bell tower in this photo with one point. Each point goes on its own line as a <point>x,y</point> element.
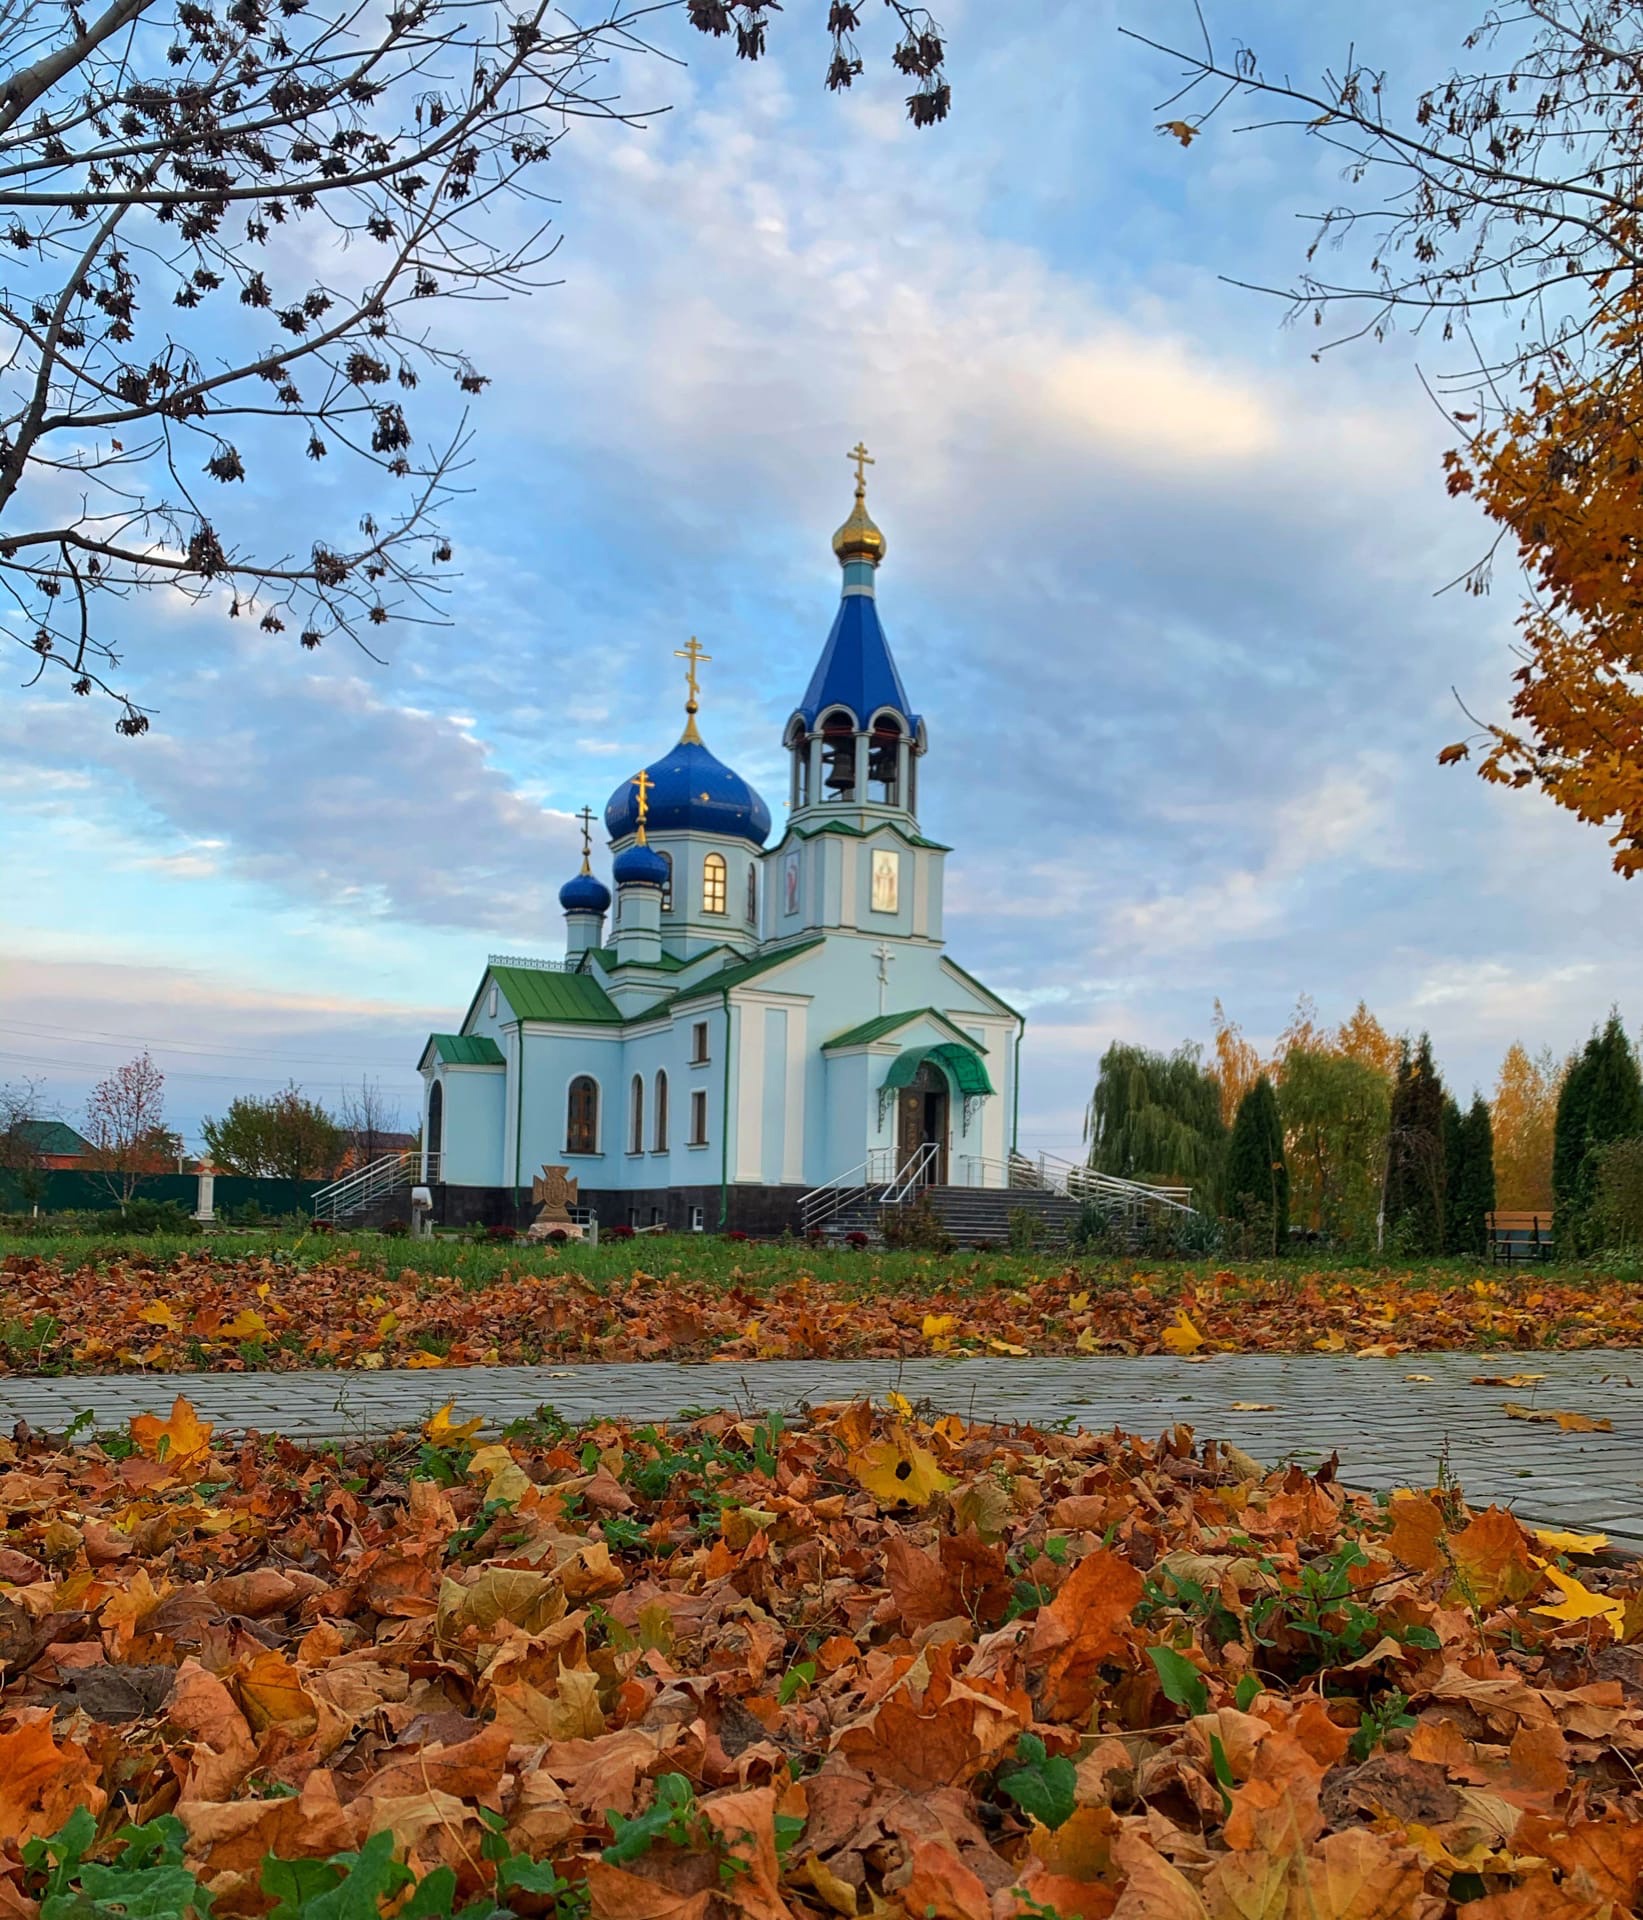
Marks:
<point>853,856</point>
<point>854,742</point>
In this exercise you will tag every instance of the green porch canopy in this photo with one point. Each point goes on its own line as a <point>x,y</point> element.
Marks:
<point>963,1066</point>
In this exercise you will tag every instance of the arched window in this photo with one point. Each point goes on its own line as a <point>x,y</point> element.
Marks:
<point>436,1127</point>
<point>636,1116</point>
<point>667,884</point>
<point>752,896</point>
<point>661,1112</point>
<point>884,761</point>
<point>715,884</point>
<point>582,1115</point>
<point>838,732</point>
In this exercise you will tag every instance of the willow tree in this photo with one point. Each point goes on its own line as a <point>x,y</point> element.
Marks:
<point>1157,1117</point>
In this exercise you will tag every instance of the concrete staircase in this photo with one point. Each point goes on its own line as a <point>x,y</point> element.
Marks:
<point>971,1215</point>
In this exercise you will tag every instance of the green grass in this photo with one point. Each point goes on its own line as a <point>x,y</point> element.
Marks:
<point>716,1261</point>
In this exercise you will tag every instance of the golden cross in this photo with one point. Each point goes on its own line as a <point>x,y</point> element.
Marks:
<point>694,654</point>
<point>644,783</point>
<point>863,460</point>
<point>586,817</point>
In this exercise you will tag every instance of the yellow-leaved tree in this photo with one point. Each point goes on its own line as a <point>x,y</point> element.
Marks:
<point>1524,1115</point>
<point>1500,208</point>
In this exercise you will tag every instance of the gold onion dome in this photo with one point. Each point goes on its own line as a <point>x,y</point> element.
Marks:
<point>859,538</point>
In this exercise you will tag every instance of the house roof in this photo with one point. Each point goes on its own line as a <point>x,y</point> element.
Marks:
<point>547,994</point>
<point>887,1023</point>
<point>738,974</point>
<point>463,1050</point>
<point>53,1136</point>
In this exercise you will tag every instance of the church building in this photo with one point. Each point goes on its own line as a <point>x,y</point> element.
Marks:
<point>742,1023</point>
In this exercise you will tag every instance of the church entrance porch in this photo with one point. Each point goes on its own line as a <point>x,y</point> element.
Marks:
<point>922,1121</point>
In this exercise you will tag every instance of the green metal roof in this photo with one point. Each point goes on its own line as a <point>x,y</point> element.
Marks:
<point>871,1030</point>
<point>668,963</point>
<point>465,1049</point>
<point>53,1136</point>
<point>546,994</point>
<point>963,1066</point>
<point>947,960</point>
<point>738,974</point>
<point>850,832</point>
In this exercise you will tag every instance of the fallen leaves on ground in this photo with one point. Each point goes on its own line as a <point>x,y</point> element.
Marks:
<point>127,1310</point>
<point>736,1669</point>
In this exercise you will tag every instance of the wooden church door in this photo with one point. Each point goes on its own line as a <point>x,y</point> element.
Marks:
<point>921,1118</point>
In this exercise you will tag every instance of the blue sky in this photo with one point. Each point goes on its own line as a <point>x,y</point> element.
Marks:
<point>1163,583</point>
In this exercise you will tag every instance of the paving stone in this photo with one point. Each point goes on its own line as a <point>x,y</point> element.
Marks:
<point>1388,1429</point>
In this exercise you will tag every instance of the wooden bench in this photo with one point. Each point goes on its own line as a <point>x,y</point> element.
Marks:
<point>1519,1236</point>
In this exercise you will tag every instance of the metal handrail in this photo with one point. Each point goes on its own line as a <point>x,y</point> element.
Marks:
<point>356,1190</point>
<point>911,1176</point>
<point>833,1196</point>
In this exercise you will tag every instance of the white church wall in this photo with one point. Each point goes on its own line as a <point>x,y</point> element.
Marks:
<point>554,1057</point>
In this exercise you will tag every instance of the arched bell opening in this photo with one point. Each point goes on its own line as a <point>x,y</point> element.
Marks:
<point>838,755</point>
<point>886,761</point>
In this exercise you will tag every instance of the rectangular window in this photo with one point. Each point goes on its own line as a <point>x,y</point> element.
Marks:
<point>698,1044</point>
<point>886,880</point>
<point>698,1118</point>
<point>698,1219</point>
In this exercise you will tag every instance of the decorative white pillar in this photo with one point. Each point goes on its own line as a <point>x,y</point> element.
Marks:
<point>203,1204</point>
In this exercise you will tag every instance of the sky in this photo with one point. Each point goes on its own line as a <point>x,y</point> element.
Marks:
<point>1165,583</point>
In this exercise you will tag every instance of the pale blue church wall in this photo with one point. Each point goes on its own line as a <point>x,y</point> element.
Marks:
<point>773,1118</point>
<point>472,1125</point>
<point>554,1056</point>
<point>844,1079</point>
<point>687,927</point>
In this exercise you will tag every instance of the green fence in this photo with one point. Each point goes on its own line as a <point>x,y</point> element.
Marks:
<point>68,1191</point>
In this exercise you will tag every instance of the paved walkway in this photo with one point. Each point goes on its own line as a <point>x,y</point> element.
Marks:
<point>1390,1425</point>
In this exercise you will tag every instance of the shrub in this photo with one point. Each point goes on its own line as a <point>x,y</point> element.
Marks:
<point>154,1216</point>
<point>499,1234</point>
<point>736,1233</point>
<point>623,1232</point>
<point>1026,1230</point>
<point>395,1229</point>
<point>916,1228</point>
<point>1095,1230</point>
<point>857,1239</point>
<point>1618,1207</point>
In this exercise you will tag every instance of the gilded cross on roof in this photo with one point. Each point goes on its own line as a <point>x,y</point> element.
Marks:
<point>586,816</point>
<point>863,460</point>
<point>644,783</point>
<point>695,656</point>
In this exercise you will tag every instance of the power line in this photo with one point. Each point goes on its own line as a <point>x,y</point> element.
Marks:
<point>181,1073</point>
<point>95,1036</point>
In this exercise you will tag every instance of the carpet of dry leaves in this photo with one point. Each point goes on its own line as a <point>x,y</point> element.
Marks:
<point>863,1666</point>
<point>208,1311</point>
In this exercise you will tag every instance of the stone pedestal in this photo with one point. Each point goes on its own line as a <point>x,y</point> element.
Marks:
<point>554,1193</point>
<point>203,1206</point>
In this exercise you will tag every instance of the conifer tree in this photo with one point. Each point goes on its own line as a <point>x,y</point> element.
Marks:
<point>1471,1188</point>
<point>1413,1207</point>
<point>1602,1101</point>
<point>1574,1104</point>
<point>1257,1179</point>
<point>1454,1174</point>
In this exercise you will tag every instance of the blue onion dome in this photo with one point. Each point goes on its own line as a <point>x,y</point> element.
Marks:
<point>641,866</point>
<point>690,792</point>
<point>586,893</point>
